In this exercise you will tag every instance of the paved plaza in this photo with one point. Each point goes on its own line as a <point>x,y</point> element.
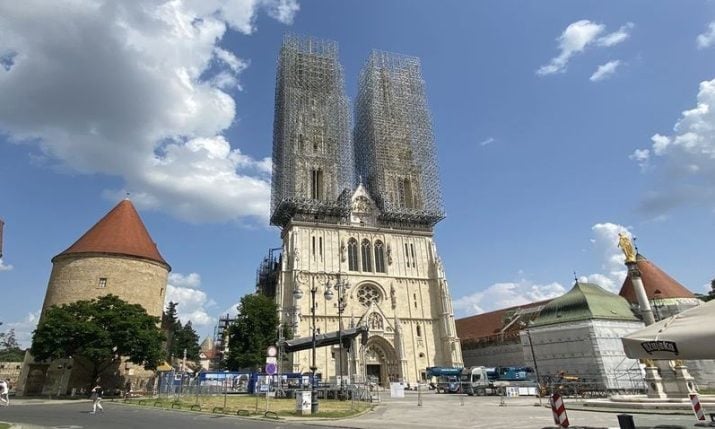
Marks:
<point>436,411</point>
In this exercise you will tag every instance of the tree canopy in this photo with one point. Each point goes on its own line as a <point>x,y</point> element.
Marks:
<point>179,337</point>
<point>99,331</point>
<point>255,328</point>
<point>10,350</point>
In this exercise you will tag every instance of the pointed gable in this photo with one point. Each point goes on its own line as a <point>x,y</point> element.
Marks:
<point>654,279</point>
<point>119,232</point>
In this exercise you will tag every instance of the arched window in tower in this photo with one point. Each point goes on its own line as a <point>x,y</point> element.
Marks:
<point>409,203</point>
<point>405,198</point>
<point>352,255</point>
<point>419,330</point>
<point>379,257</point>
<point>316,184</point>
<point>366,255</point>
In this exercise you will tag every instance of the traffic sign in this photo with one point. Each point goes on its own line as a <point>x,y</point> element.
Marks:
<point>272,351</point>
<point>271,365</point>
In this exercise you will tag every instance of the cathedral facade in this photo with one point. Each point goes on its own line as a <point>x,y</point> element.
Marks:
<point>357,211</point>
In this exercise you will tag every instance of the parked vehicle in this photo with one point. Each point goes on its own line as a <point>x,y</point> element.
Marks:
<point>481,381</point>
<point>447,380</point>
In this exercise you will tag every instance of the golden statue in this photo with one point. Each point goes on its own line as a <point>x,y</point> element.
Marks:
<point>625,244</point>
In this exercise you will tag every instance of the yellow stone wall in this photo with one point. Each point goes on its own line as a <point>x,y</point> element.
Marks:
<point>137,281</point>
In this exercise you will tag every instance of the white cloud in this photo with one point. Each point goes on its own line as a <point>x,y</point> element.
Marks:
<point>137,90</point>
<point>576,37</point>
<point>689,157</point>
<point>509,294</point>
<point>193,302</point>
<point>616,37</point>
<point>490,140</point>
<point>573,40</point>
<point>707,39</point>
<point>503,295</point>
<point>642,157</point>
<point>23,328</point>
<point>605,241</point>
<point>4,266</point>
<point>605,71</point>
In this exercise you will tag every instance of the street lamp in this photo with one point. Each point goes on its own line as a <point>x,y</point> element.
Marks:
<point>297,293</point>
<point>533,358</point>
<point>341,286</point>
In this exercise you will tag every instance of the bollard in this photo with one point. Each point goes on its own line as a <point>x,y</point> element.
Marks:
<point>559,411</point>
<point>697,408</point>
<point>625,421</point>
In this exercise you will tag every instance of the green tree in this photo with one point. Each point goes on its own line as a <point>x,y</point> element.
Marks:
<point>10,350</point>
<point>187,339</point>
<point>170,324</point>
<point>98,332</point>
<point>255,328</point>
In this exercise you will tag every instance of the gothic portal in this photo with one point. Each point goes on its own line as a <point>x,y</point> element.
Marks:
<point>358,208</point>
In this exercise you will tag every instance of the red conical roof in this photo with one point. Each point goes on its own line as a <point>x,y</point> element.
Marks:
<point>119,232</point>
<point>654,279</point>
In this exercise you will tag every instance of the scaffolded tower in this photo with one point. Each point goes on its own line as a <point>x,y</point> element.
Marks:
<point>312,152</point>
<point>394,144</point>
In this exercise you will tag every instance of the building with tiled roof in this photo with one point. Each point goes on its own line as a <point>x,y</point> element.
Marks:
<point>492,339</point>
<point>666,295</point>
<point>579,334</point>
<point>115,256</point>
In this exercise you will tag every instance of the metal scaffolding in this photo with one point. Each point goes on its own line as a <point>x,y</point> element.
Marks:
<point>313,167</point>
<point>394,144</point>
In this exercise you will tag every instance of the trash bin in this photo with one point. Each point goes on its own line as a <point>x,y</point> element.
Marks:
<point>303,399</point>
<point>625,421</point>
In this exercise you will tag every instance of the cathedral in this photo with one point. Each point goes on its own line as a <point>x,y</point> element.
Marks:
<point>357,210</point>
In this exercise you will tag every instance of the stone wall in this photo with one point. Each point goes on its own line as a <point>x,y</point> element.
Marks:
<point>77,277</point>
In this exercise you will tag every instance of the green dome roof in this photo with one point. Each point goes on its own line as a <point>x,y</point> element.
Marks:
<point>585,301</point>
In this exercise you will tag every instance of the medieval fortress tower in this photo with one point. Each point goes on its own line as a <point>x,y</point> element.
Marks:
<point>116,256</point>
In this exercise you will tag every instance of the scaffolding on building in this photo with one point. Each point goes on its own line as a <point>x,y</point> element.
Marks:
<point>221,337</point>
<point>313,168</point>
<point>267,273</point>
<point>394,143</point>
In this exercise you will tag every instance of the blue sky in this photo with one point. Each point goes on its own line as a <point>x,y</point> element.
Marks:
<point>558,124</point>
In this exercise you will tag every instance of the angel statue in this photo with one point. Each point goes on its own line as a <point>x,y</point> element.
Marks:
<point>625,244</point>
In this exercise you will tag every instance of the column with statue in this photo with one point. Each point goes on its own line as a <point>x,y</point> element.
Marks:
<point>663,378</point>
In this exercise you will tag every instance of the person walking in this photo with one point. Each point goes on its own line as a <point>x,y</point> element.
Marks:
<point>97,398</point>
<point>5,392</point>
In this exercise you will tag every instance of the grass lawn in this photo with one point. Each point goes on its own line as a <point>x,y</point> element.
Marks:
<point>256,405</point>
<point>4,426</point>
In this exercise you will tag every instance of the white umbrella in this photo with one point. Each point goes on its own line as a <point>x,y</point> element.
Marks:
<point>687,335</point>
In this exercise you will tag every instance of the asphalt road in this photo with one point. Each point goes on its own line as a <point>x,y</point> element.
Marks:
<point>75,415</point>
<point>436,411</point>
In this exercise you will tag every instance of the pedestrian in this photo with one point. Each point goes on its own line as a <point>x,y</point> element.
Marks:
<point>96,398</point>
<point>5,392</point>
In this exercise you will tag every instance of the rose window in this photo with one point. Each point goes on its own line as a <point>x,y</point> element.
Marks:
<point>369,294</point>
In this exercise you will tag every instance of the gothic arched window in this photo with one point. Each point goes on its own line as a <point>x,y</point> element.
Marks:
<point>419,330</point>
<point>352,255</point>
<point>366,255</point>
<point>379,257</point>
<point>316,184</point>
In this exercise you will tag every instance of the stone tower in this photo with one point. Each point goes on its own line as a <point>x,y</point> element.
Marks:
<point>375,236</point>
<point>116,256</point>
